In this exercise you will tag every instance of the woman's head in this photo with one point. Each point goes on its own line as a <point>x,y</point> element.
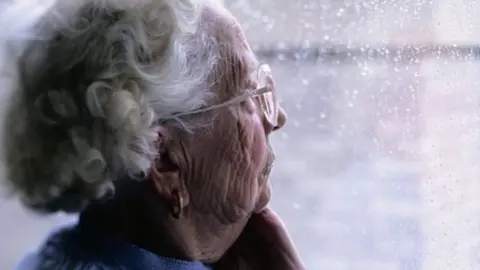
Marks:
<point>115,90</point>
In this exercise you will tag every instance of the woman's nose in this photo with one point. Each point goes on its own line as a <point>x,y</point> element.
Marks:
<point>281,119</point>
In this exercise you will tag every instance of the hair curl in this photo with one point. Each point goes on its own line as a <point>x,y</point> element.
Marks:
<point>88,90</point>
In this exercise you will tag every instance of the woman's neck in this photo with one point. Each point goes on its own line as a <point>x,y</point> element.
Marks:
<point>191,237</point>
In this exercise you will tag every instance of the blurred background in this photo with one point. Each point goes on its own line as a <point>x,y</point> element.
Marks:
<point>378,165</point>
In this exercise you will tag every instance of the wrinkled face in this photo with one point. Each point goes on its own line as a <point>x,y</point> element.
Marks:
<point>228,162</point>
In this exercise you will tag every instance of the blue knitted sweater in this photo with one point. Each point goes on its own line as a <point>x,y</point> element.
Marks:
<point>79,248</point>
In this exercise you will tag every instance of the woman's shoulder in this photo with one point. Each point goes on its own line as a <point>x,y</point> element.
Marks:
<point>64,249</point>
<point>82,247</point>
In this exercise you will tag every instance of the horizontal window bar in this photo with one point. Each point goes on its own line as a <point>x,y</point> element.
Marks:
<point>409,53</point>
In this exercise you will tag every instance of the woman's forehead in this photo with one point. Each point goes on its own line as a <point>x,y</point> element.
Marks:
<point>219,21</point>
<point>239,60</point>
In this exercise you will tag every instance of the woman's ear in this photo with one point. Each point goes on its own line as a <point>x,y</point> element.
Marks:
<point>166,170</point>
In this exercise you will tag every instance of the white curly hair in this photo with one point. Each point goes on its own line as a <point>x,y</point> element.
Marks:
<point>89,83</point>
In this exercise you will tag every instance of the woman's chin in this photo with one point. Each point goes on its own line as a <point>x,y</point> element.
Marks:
<point>263,199</point>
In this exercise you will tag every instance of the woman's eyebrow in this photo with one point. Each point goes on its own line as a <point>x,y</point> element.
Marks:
<point>252,66</point>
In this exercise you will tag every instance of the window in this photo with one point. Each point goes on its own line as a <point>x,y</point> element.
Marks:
<point>380,157</point>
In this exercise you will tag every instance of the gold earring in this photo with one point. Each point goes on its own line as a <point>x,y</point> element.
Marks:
<point>177,204</point>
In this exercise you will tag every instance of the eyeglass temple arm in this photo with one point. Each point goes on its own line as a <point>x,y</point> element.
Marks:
<point>227,103</point>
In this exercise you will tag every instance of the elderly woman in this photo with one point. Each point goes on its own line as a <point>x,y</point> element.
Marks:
<point>151,119</point>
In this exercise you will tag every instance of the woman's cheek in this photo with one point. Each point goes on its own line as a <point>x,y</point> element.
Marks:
<point>260,146</point>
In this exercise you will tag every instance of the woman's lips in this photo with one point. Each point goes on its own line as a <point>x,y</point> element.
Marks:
<point>269,164</point>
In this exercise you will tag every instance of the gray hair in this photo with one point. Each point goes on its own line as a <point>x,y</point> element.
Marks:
<point>89,89</point>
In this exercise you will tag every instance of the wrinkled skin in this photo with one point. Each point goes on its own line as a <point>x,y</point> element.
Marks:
<point>221,172</point>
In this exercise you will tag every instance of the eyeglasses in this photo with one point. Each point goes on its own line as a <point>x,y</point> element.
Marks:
<point>264,96</point>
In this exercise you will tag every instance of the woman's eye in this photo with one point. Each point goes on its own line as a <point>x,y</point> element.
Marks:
<point>249,104</point>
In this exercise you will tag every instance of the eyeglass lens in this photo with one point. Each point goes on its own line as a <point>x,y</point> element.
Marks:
<point>268,100</point>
